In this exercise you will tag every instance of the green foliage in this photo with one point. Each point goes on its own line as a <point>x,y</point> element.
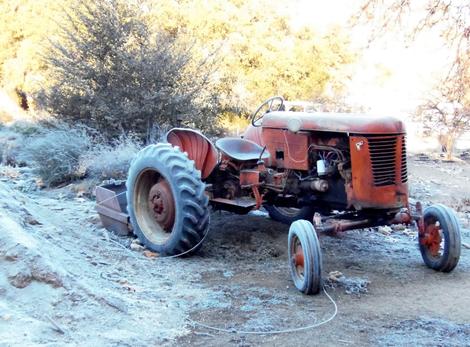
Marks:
<point>110,72</point>
<point>135,65</point>
<point>25,27</point>
<point>261,53</point>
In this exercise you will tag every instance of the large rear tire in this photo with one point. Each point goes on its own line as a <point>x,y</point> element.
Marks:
<point>305,258</point>
<point>167,204</point>
<point>289,215</point>
<point>440,242</point>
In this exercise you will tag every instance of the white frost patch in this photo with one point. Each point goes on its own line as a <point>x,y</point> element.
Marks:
<point>63,282</point>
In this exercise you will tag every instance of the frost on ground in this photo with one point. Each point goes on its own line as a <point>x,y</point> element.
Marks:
<point>351,285</point>
<point>63,281</point>
<point>426,332</point>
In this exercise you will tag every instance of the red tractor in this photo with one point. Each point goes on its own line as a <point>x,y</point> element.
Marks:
<point>318,172</point>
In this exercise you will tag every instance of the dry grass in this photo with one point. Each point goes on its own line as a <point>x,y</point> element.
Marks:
<point>11,144</point>
<point>55,153</point>
<point>110,161</point>
<point>59,153</point>
<point>13,139</point>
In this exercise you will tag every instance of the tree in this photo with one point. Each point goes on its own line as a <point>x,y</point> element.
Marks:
<point>226,55</point>
<point>25,27</point>
<point>450,17</point>
<point>109,71</point>
<point>261,54</point>
<point>448,109</point>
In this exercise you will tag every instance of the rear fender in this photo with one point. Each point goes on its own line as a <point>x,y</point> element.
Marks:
<point>198,147</point>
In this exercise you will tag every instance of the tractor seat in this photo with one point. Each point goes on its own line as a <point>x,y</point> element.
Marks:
<point>241,149</point>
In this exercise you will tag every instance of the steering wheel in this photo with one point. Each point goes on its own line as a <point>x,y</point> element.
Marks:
<point>271,105</point>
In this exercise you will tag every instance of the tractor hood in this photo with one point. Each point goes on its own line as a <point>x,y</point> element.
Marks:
<point>335,122</point>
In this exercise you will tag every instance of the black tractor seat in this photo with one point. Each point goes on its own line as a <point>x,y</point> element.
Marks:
<point>241,149</point>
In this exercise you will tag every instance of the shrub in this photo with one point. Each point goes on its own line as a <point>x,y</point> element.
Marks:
<point>5,117</point>
<point>233,124</point>
<point>11,144</point>
<point>27,128</point>
<point>110,71</point>
<point>110,161</point>
<point>55,153</point>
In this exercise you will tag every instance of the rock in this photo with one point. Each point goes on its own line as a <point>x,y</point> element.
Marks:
<point>352,285</point>
<point>136,246</point>
<point>43,273</point>
<point>20,278</point>
<point>31,220</point>
<point>150,254</point>
<point>25,259</point>
<point>398,227</point>
<point>334,276</point>
<point>385,230</point>
<point>136,241</point>
<point>465,155</point>
<point>423,157</point>
<point>409,232</point>
<point>22,274</point>
<point>95,219</point>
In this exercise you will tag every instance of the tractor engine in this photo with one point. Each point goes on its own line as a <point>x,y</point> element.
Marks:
<point>297,170</point>
<point>315,169</point>
<point>334,170</point>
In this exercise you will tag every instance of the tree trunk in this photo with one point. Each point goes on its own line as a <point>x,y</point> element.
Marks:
<point>450,146</point>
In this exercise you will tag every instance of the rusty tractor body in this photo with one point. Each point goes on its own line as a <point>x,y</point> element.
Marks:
<point>319,172</point>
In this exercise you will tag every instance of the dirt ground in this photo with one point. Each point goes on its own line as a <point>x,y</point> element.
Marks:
<point>65,280</point>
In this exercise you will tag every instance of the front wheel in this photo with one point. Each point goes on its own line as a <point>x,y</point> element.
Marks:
<point>305,259</point>
<point>439,242</point>
<point>167,204</point>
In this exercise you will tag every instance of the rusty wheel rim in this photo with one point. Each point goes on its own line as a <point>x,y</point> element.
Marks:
<point>162,203</point>
<point>297,258</point>
<point>154,206</point>
<point>433,239</point>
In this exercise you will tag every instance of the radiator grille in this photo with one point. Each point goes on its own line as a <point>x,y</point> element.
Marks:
<point>404,169</point>
<point>383,155</point>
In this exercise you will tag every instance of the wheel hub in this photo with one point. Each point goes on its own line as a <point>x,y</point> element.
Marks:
<point>432,239</point>
<point>298,258</point>
<point>162,203</point>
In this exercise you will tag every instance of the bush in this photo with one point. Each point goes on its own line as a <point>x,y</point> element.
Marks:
<point>55,153</point>
<point>112,73</point>
<point>5,117</point>
<point>233,124</point>
<point>11,144</point>
<point>27,128</point>
<point>110,161</point>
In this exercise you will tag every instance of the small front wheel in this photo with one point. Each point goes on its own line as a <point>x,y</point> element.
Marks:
<point>305,259</point>
<point>439,242</point>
